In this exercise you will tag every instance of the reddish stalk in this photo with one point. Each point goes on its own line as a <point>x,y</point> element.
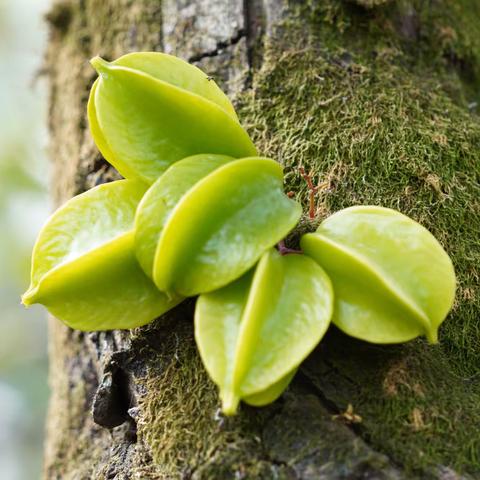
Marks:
<point>313,191</point>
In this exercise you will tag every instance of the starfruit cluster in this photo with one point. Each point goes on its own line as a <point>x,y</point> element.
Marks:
<point>199,214</point>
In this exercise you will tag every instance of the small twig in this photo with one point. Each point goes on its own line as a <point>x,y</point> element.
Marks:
<point>313,191</point>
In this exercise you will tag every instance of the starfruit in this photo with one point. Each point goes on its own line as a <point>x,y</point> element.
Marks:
<point>393,281</point>
<point>147,110</point>
<point>253,334</point>
<point>220,226</point>
<point>160,200</point>
<point>84,268</point>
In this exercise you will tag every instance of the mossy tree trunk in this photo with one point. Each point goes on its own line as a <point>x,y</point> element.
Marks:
<point>377,99</point>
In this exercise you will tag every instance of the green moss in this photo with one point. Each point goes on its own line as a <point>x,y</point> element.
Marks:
<point>441,37</point>
<point>376,121</point>
<point>181,422</point>
<point>413,406</point>
<point>370,3</point>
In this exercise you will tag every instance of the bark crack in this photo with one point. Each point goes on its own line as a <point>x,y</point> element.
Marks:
<point>334,409</point>
<point>115,396</point>
<point>220,47</point>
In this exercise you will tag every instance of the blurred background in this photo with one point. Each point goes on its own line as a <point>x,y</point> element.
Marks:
<point>24,206</point>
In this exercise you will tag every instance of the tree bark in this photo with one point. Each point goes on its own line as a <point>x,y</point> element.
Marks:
<point>377,99</point>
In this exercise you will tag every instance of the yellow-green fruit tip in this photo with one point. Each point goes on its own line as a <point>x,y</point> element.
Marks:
<point>99,64</point>
<point>230,404</point>
<point>28,298</point>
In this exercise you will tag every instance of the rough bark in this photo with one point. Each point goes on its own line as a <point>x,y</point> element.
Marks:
<point>377,99</point>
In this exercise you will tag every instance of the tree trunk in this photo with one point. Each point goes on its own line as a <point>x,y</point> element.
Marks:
<point>377,99</point>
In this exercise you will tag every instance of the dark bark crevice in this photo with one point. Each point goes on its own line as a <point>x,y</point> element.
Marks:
<point>219,49</point>
<point>115,396</point>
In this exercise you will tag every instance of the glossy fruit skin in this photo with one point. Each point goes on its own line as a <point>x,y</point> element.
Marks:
<point>253,334</point>
<point>83,263</point>
<point>393,281</point>
<point>148,110</point>
<point>221,227</point>
<point>162,197</point>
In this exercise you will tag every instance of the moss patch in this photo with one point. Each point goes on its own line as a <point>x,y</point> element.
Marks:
<point>413,406</point>
<point>181,424</point>
<point>376,121</point>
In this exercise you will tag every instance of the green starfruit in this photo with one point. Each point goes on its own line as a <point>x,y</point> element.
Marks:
<point>84,268</point>
<point>148,110</point>
<point>253,334</point>
<point>162,197</point>
<point>393,281</point>
<point>218,229</point>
